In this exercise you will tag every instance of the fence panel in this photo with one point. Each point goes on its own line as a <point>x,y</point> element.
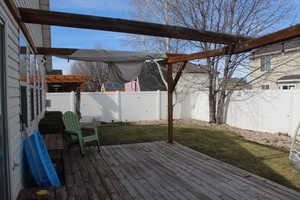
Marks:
<point>137,106</point>
<point>60,102</point>
<point>265,110</point>
<point>99,106</point>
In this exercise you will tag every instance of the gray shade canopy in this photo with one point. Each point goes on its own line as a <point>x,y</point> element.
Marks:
<point>107,56</point>
<point>124,66</point>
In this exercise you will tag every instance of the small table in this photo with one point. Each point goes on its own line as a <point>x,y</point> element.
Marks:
<point>54,141</point>
<point>55,146</point>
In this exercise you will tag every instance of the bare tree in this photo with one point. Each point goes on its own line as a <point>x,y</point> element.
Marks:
<point>242,17</point>
<point>97,73</point>
<point>157,12</point>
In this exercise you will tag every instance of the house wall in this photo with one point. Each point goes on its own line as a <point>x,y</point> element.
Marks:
<point>132,86</point>
<point>15,135</point>
<point>192,82</point>
<point>46,33</point>
<point>281,65</point>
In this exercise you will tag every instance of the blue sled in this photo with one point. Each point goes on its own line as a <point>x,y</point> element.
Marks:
<point>39,161</point>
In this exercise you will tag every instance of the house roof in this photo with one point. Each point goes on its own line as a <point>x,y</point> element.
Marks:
<point>150,78</point>
<point>236,83</point>
<point>290,77</point>
<point>278,47</point>
<point>191,68</point>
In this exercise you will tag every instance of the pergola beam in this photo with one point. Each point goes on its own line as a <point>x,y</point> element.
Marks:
<point>199,55</point>
<point>36,16</point>
<point>282,35</point>
<point>55,51</point>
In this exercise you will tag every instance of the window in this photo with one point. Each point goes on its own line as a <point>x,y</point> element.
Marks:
<point>40,88</point>
<point>265,63</point>
<point>287,87</point>
<point>48,102</point>
<point>23,68</point>
<point>32,104</point>
<point>24,113</point>
<point>41,92</point>
<point>37,101</point>
<point>41,100</point>
<point>32,80</point>
<point>265,87</point>
<point>23,59</point>
<point>37,85</point>
<point>32,69</point>
<point>31,83</point>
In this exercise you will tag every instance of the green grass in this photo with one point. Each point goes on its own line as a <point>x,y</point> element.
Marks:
<point>271,163</point>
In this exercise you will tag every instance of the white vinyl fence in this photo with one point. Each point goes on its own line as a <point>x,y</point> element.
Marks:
<point>117,106</point>
<point>262,110</point>
<point>265,110</point>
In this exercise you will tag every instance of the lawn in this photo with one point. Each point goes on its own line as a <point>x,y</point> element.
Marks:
<point>271,163</point>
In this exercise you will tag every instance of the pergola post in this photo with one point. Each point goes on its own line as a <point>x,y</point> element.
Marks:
<point>170,104</point>
<point>171,87</point>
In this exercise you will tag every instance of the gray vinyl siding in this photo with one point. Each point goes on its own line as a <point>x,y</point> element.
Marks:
<point>34,29</point>
<point>15,134</point>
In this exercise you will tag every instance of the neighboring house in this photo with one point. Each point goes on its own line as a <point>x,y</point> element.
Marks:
<point>277,66</point>
<point>65,83</point>
<point>132,86</point>
<point>112,87</point>
<point>194,78</point>
<point>149,79</point>
<point>235,84</point>
<point>22,93</point>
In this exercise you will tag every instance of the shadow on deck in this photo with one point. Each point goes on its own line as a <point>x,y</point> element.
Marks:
<point>159,170</point>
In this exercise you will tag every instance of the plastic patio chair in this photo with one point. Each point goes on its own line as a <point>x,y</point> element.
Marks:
<point>72,127</point>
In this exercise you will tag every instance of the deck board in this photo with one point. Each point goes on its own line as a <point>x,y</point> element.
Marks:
<point>162,171</point>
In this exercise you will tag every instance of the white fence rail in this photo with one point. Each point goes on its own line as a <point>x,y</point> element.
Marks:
<point>264,110</point>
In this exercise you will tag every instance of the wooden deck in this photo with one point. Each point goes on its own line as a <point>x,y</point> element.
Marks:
<point>162,171</point>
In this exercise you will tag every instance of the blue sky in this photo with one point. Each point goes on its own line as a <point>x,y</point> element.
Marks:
<point>87,39</point>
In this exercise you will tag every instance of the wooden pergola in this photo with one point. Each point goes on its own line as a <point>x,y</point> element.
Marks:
<point>234,44</point>
<point>67,83</point>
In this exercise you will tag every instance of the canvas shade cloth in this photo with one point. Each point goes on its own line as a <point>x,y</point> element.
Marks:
<point>124,66</point>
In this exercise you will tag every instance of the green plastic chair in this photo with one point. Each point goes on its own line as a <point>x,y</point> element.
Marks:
<point>72,127</point>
